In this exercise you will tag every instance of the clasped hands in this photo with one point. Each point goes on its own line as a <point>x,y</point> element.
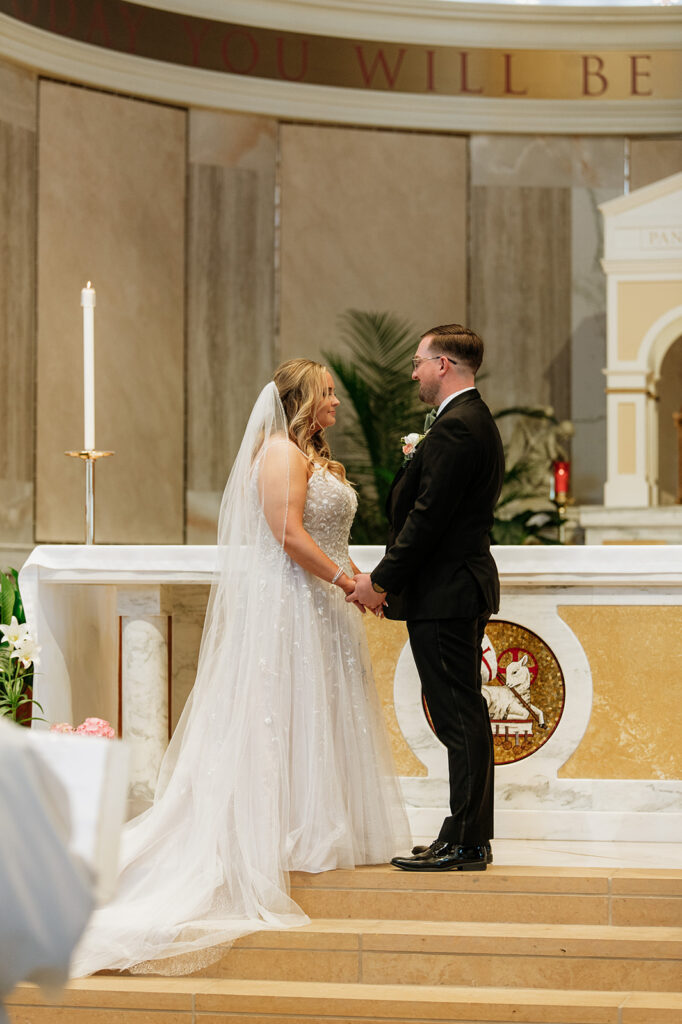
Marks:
<point>364,596</point>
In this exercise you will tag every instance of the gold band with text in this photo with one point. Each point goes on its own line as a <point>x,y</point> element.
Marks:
<point>354,63</point>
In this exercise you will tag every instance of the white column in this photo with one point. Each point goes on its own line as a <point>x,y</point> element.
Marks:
<point>144,687</point>
<point>628,481</point>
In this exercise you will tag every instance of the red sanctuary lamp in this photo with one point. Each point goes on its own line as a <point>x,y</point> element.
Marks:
<point>560,483</point>
<point>562,475</point>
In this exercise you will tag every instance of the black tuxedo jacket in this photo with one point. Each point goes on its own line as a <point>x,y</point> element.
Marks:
<point>440,509</point>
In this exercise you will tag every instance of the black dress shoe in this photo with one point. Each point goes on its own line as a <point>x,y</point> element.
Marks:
<point>488,851</point>
<point>441,856</point>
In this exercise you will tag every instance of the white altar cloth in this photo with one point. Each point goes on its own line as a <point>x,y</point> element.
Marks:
<point>97,610</point>
<point>51,568</point>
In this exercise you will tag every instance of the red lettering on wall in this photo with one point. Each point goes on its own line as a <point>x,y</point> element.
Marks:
<point>464,58</point>
<point>509,89</point>
<point>303,61</point>
<point>21,10</point>
<point>133,24</point>
<point>430,54</point>
<point>636,73</point>
<point>237,33</point>
<point>380,61</point>
<point>592,68</point>
<point>65,23</point>
<point>98,29</point>
<point>195,39</point>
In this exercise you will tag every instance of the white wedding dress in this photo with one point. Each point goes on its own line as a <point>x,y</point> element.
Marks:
<point>281,759</point>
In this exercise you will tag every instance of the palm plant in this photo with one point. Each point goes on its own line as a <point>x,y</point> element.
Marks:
<point>376,378</point>
<point>523,514</point>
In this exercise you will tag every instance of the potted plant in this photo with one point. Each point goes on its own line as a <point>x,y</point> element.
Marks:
<point>377,379</point>
<point>18,654</point>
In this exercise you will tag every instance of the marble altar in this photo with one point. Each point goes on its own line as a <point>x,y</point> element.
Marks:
<point>602,624</point>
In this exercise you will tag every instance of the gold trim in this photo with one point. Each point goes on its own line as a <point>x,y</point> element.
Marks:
<point>643,75</point>
<point>632,391</point>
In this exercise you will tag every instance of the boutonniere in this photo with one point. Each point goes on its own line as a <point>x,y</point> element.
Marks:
<point>410,443</point>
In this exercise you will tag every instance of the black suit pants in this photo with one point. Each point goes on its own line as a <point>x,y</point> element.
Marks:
<point>447,653</point>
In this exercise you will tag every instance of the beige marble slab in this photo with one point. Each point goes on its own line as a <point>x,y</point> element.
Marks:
<point>653,159</point>
<point>547,160</point>
<point>370,220</point>
<point>18,96</point>
<point>18,112</point>
<point>230,301</point>
<point>520,293</point>
<point>112,210</point>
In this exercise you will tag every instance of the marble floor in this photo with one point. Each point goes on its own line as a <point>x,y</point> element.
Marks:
<point>564,853</point>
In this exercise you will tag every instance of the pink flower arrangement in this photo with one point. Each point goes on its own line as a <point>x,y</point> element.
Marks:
<point>90,727</point>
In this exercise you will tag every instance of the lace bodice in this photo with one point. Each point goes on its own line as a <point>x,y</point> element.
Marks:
<point>329,511</point>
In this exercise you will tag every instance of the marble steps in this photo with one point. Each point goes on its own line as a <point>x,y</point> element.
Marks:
<point>126,1000</point>
<point>594,957</point>
<point>512,945</point>
<point>529,895</point>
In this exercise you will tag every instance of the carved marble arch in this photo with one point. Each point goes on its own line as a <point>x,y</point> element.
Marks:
<point>643,265</point>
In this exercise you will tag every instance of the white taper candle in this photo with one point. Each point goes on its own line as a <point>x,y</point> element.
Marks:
<point>88,304</point>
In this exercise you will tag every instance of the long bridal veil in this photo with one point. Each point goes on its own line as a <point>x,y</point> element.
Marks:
<point>206,863</point>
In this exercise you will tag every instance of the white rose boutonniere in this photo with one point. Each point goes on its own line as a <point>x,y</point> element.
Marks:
<point>409,443</point>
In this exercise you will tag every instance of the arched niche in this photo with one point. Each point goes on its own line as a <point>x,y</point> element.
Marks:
<point>670,401</point>
<point>643,264</point>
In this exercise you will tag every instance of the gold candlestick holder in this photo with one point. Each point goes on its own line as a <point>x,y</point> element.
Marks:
<point>89,458</point>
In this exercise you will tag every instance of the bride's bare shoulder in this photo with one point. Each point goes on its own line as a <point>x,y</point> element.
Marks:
<point>279,451</point>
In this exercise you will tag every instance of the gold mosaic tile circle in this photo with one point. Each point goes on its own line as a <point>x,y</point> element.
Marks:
<point>526,695</point>
<point>532,709</point>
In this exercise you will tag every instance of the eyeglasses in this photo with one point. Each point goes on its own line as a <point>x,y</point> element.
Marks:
<point>418,360</point>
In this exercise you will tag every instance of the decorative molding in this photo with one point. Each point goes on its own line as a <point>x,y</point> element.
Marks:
<point>174,83</point>
<point>643,269</point>
<point>465,24</point>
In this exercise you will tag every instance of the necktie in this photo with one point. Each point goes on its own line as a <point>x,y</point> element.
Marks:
<point>430,417</point>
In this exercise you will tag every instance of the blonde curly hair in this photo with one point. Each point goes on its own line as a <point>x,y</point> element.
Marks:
<point>302,386</point>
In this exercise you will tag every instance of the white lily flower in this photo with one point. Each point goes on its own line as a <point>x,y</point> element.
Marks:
<point>15,633</point>
<point>27,652</point>
<point>412,438</point>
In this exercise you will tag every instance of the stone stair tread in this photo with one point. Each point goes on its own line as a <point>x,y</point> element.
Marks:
<point>484,937</point>
<point>322,1000</point>
<point>649,882</point>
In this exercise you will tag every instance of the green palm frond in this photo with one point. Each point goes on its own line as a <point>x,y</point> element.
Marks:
<point>376,377</point>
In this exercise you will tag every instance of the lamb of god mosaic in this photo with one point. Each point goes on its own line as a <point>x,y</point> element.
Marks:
<point>523,686</point>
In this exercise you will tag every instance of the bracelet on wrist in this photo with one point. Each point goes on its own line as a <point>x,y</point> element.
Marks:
<point>337,575</point>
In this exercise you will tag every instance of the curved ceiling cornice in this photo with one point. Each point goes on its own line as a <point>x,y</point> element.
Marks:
<point>422,64</point>
<point>512,23</point>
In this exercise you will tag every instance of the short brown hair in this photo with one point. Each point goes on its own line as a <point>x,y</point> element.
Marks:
<point>461,343</point>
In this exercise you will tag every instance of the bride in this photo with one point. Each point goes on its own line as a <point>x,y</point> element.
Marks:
<point>280,760</point>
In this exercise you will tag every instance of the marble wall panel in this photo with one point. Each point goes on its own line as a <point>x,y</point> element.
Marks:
<point>520,293</point>
<point>18,118</point>
<point>562,301</point>
<point>588,345</point>
<point>370,220</point>
<point>111,209</point>
<point>547,160</point>
<point>631,651</point>
<point>230,300</point>
<point>653,159</point>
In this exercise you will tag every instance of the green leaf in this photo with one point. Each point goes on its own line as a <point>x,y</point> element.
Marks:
<point>7,598</point>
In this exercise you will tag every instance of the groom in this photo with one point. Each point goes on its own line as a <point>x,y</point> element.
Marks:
<point>439,575</point>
